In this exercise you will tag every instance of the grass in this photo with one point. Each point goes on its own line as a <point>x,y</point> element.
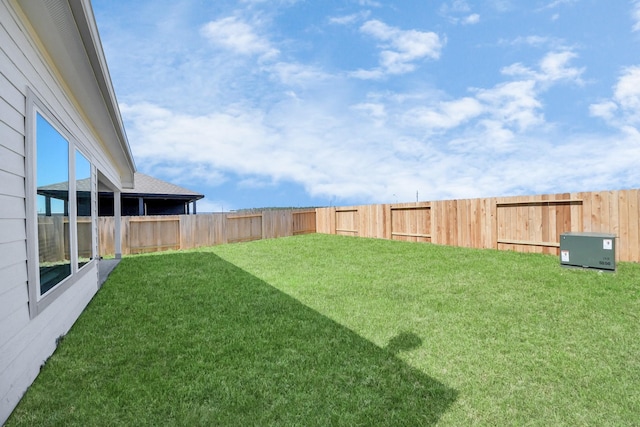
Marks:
<point>326,330</point>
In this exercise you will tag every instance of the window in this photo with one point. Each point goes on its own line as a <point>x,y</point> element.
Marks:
<point>52,177</point>
<point>60,192</point>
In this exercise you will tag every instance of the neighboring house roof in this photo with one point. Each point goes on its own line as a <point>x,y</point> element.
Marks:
<point>144,186</point>
<point>68,32</point>
<point>148,186</point>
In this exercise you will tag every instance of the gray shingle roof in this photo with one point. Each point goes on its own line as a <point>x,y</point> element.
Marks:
<point>145,184</point>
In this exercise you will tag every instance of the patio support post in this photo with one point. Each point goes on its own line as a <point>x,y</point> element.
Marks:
<point>117,214</point>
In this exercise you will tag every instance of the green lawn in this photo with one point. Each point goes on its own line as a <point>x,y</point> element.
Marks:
<point>328,330</point>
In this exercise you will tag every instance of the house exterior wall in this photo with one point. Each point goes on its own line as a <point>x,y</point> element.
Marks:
<point>165,207</point>
<point>26,341</point>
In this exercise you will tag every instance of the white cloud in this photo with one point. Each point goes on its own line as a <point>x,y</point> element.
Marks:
<point>445,115</point>
<point>369,3</point>
<point>529,40</point>
<point>501,5</point>
<point>503,110</point>
<point>474,18</point>
<point>238,36</point>
<point>514,104</point>
<point>293,74</point>
<point>623,109</point>
<point>553,67</point>
<point>456,6</point>
<point>374,111</point>
<point>557,3</point>
<point>375,74</point>
<point>294,141</point>
<point>400,48</point>
<point>519,70</point>
<point>605,110</point>
<point>553,43</point>
<point>635,15</point>
<point>349,19</point>
<point>458,12</point>
<point>627,91</point>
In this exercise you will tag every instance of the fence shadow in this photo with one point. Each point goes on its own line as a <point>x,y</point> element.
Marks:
<point>242,352</point>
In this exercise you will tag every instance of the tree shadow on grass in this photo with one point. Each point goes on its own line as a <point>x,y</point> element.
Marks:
<point>404,341</point>
<point>190,339</point>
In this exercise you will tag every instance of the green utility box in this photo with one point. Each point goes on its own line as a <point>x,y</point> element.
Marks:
<point>588,250</point>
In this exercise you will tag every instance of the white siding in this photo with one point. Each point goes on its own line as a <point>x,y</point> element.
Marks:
<point>26,343</point>
<point>12,141</point>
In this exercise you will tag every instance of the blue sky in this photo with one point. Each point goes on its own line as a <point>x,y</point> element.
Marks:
<point>53,159</point>
<point>260,103</point>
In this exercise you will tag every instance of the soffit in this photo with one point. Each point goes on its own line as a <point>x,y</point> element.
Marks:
<point>68,32</point>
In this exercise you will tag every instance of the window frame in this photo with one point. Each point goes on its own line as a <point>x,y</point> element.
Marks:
<point>37,301</point>
<point>92,213</point>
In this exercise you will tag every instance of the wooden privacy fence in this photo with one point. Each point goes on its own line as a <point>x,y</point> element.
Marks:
<point>54,234</point>
<point>141,234</point>
<point>525,224</point>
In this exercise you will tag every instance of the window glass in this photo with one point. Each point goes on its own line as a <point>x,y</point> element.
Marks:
<point>83,200</point>
<point>52,174</point>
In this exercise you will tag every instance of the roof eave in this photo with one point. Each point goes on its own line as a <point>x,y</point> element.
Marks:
<point>186,197</point>
<point>68,31</point>
<point>85,19</point>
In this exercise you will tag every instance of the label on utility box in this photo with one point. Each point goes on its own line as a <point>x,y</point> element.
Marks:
<point>607,244</point>
<point>564,256</point>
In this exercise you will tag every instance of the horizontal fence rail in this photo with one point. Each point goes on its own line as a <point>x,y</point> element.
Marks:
<point>140,234</point>
<point>523,223</point>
